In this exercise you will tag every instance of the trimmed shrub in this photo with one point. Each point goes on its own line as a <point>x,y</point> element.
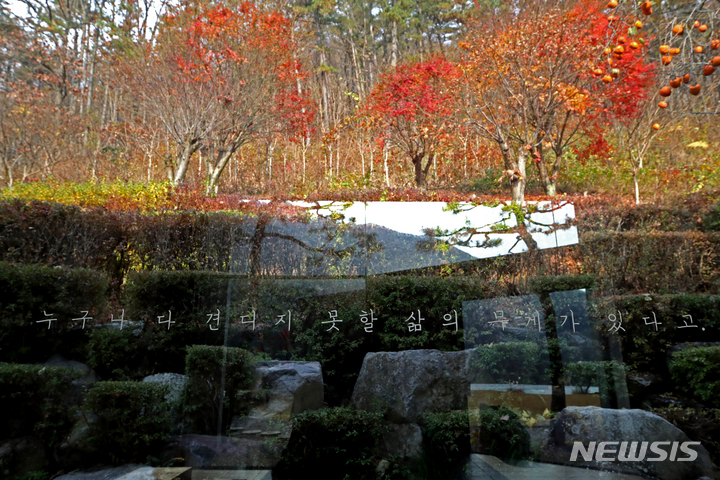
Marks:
<point>653,262</point>
<point>700,425</point>
<point>606,375</point>
<point>340,440</point>
<point>132,418</point>
<point>697,371</point>
<point>512,362</point>
<point>190,296</point>
<point>33,398</point>
<point>117,354</point>
<point>395,298</point>
<point>543,286</point>
<point>644,348</point>
<point>28,292</point>
<point>209,368</point>
<point>446,438</point>
<point>54,234</point>
<point>502,434</point>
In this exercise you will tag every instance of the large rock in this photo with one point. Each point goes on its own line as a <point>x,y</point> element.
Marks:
<point>104,474</point>
<point>212,452</point>
<point>175,381</point>
<point>594,424</point>
<point>78,448</point>
<point>81,384</point>
<point>286,388</point>
<point>412,382</point>
<point>404,440</point>
<point>22,455</point>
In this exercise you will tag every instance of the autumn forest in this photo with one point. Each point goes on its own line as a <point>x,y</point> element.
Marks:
<point>290,97</point>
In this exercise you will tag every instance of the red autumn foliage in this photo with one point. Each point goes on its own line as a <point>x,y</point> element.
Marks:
<point>412,107</point>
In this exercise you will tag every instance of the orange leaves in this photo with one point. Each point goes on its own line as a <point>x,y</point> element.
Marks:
<point>575,99</point>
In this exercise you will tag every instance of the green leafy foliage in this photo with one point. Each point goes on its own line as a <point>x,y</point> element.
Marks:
<point>28,292</point>
<point>501,433</point>
<point>217,375</point>
<point>151,196</point>
<point>132,418</point>
<point>606,375</point>
<point>644,348</point>
<point>55,234</point>
<point>630,262</point>
<point>699,424</point>
<point>697,371</point>
<point>512,362</point>
<point>341,441</point>
<point>446,440</point>
<point>34,399</point>
<point>190,296</point>
<point>117,354</point>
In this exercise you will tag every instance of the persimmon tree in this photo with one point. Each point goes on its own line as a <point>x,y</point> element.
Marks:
<point>413,107</point>
<point>684,53</point>
<point>533,84</point>
<point>218,78</point>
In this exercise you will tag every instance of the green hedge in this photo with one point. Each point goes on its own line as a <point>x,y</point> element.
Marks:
<point>117,354</point>
<point>512,362</point>
<point>697,372</point>
<point>209,369</point>
<point>644,348</point>
<point>664,263</point>
<point>133,419</point>
<point>339,443</point>
<point>190,296</point>
<point>55,234</point>
<point>33,399</point>
<point>606,375</point>
<point>502,434</point>
<point>27,292</point>
<point>446,441</point>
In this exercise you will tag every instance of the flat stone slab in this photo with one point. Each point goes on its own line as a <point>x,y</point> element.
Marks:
<point>132,472</point>
<point>231,475</point>
<point>150,473</point>
<point>207,452</point>
<point>487,467</point>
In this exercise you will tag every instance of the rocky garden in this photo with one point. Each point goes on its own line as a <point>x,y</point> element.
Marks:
<point>254,341</point>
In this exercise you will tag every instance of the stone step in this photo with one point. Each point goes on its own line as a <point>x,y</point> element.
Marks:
<point>231,475</point>
<point>150,473</point>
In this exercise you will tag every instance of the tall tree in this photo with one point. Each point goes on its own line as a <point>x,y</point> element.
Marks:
<point>413,108</point>
<point>533,82</point>
<point>218,78</point>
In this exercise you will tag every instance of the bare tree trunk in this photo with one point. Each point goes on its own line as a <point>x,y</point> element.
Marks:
<point>213,181</point>
<point>183,161</point>
<point>394,46</point>
<point>387,175</point>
